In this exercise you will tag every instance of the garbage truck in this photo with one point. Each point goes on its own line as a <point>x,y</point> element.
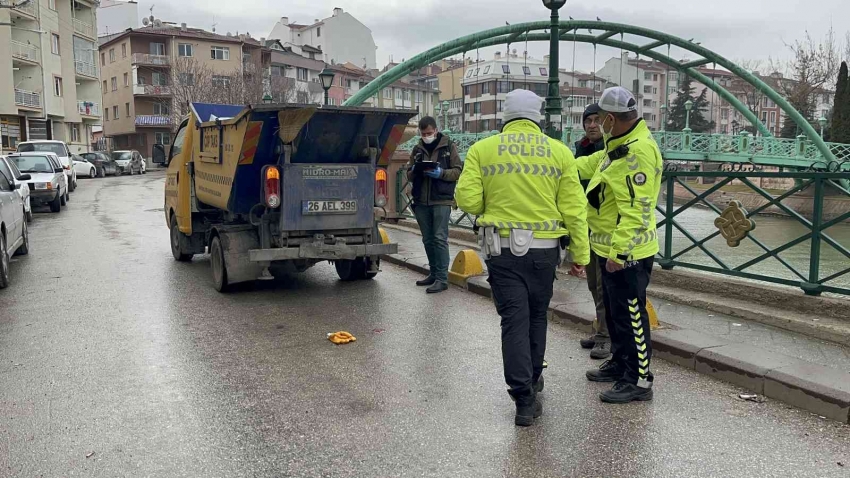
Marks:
<point>275,189</point>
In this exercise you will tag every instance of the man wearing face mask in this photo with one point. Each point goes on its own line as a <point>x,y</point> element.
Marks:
<point>434,169</point>
<point>600,341</point>
<point>625,180</point>
<point>525,190</point>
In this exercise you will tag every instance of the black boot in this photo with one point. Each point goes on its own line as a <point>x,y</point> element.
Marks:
<point>527,409</point>
<point>538,385</point>
<point>426,281</point>
<point>602,349</point>
<point>610,371</point>
<point>437,287</point>
<point>624,392</point>
<point>588,343</point>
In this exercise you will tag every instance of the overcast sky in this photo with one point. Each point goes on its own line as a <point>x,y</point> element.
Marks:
<point>736,29</point>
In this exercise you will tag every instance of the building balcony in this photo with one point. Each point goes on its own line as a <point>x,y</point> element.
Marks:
<point>84,29</point>
<point>86,69</point>
<point>27,99</point>
<point>151,90</point>
<point>153,121</point>
<point>150,60</point>
<point>25,52</point>
<point>87,108</point>
<point>30,8</point>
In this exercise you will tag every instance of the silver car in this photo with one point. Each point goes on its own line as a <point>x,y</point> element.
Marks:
<point>8,168</point>
<point>129,162</point>
<point>48,183</point>
<point>14,235</point>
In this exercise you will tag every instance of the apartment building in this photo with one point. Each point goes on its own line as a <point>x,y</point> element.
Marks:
<point>574,100</point>
<point>404,95</point>
<point>486,83</point>
<point>48,76</point>
<point>150,74</point>
<point>340,37</point>
<point>293,78</point>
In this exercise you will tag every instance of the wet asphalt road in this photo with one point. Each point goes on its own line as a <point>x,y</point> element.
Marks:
<point>117,361</point>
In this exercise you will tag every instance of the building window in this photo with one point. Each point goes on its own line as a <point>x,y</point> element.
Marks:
<point>126,79</point>
<point>647,103</point>
<point>187,79</point>
<point>319,32</point>
<point>277,70</point>
<point>123,50</point>
<point>503,87</point>
<point>773,117</point>
<point>185,49</point>
<point>655,91</point>
<point>54,43</point>
<point>161,109</point>
<point>506,69</point>
<point>106,114</point>
<point>162,138</point>
<point>219,53</point>
<point>477,108</point>
<point>103,59</point>
<point>398,94</point>
<point>469,73</point>
<point>647,89</point>
<point>526,70</point>
<point>487,70</point>
<point>724,114</point>
<point>647,76</point>
<point>115,112</point>
<point>388,93</point>
<point>655,77</point>
<point>467,90</point>
<point>332,101</point>
<point>500,106</point>
<point>419,97</point>
<point>114,83</point>
<point>159,78</point>
<point>485,88</point>
<point>104,86</point>
<point>302,74</point>
<point>57,86</point>
<point>543,72</point>
<point>75,132</point>
<point>157,49</point>
<point>220,81</point>
<point>406,95</point>
<point>112,55</point>
<point>51,4</point>
<point>127,109</point>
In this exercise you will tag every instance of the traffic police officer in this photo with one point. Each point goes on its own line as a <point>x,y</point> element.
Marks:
<point>524,188</point>
<point>625,180</point>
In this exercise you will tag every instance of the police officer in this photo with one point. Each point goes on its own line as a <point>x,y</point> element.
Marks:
<point>525,190</point>
<point>622,193</point>
<point>600,341</point>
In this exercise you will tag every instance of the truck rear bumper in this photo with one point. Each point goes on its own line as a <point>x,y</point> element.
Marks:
<point>325,252</point>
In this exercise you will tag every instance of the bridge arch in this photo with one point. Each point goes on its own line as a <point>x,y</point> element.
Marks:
<point>569,32</point>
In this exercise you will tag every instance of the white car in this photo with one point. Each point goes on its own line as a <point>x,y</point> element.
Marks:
<point>10,169</point>
<point>82,167</point>
<point>48,185</point>
<point>57,147</point>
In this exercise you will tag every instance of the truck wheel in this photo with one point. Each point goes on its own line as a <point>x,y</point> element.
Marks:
<point>176,237</point>
<point>351,270</point>
<point>219,269</point>
<point>371,275</point>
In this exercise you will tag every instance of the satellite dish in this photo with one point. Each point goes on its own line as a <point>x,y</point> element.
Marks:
<point>145,21</point>
<point>151,18</point>
<point>157,23</point>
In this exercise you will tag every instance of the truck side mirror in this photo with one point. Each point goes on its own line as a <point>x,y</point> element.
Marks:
<point>158,154</point>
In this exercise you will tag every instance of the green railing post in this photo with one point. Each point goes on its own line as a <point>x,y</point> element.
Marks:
<point>813,286</point>
<point>800,146</point>
<point>666,261</point>
<point>686,139</point>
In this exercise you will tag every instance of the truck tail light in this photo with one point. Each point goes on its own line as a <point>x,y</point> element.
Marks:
<point>381,187</point>
<point>271,186</point>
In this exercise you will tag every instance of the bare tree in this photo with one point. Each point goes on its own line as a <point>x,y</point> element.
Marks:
<point>751,96</point>
<point>190,82</point>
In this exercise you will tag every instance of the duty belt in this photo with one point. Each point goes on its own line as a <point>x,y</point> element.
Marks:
<point>536,243</point>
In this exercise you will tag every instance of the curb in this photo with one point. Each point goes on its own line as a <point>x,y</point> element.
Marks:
<point>815,388</point>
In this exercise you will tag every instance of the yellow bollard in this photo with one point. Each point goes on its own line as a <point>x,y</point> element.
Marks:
<point>385,238</point>
<point>653,315</point>
<point>466,264</point>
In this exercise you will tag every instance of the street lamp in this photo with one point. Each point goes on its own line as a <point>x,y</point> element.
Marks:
<point>663,117</point>
<point>553,100</point>
<point>327,79</point>
<point>267,99</point>
<point>822,120</point>
<point>689,105</point>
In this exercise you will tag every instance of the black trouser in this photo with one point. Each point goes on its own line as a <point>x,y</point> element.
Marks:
<point>522,289</point>
<point>628,321</point>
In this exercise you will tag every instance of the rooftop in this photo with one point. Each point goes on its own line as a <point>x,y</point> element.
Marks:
<point>180,32</point>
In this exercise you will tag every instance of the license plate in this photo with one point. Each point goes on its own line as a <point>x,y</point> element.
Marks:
<point>329,207</point>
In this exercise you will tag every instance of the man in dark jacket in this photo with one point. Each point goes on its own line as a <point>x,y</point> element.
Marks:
<point>592,142</point>
<point>434,169</point>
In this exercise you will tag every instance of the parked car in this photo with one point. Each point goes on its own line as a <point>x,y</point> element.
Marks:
<point>14,235</point>
<point>82,167</point>
<point>129,161</point>
<point>9,168</point>
<point>103,162</point>
<point>47,183</point>
<point>62,152</point>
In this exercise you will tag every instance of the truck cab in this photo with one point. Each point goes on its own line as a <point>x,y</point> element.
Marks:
<point>276,189</point>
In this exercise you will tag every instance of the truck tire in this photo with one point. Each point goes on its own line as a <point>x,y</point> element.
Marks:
<point>177,239</point>
<point>219,270</point>
<point>370,275</point>
<point>353,270</point>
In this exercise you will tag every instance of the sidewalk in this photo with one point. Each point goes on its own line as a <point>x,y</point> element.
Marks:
<point>688,333</point>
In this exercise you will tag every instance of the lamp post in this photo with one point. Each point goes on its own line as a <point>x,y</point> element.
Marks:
<point>553,100</point>
<point>689,105</point>
<point>822,121</point>
<point>267,99</point>
<point>446,105</point>
<point>663,118</point>
<point>327,79</point>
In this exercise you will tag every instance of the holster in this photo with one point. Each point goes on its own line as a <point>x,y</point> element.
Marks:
<point>488,239</point>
